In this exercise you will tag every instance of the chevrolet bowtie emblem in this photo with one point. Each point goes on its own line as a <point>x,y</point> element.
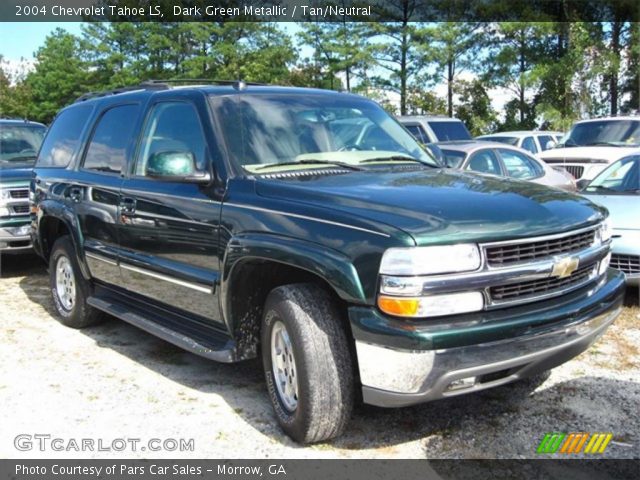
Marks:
<point>565,267</point>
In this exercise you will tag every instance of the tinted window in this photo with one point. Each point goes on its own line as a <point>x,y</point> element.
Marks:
<point>20,143</point>
<point>529,144</point>
<point>604,132</point>
<point>418,132</point>
<point>108,147</point>
<point>64,136</point>
<point>172,127</point>
<point>449,130</point>
<point>453,158</point>
<point>519,165</point>
<point>485,161</point>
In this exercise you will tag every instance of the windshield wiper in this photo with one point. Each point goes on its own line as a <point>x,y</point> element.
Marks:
<point>395,158</point>
<point>309,161</point>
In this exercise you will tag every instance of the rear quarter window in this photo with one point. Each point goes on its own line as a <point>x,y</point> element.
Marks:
<point>63,137</point>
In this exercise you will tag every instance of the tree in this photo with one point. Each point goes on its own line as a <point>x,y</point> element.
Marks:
<point>474,108</point>
<point>451,47</point>
<point>60,76</point>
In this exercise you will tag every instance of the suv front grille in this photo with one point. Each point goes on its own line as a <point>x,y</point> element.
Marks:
<point>539,288</point>
<point>629,264</point>
<point>22,193</point>
<point>574,170</point>
<point>504,255</point>
<point>20,209</point>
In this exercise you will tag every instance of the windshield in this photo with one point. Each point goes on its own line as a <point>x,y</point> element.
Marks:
<point>20,143</point>
<point>623,177</point>
<point>618,133</point>
<point>267,133</point>
<point>449,130</point>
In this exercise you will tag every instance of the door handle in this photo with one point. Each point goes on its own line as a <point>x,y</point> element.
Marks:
<point>127,205</point>
<point>75,194</point>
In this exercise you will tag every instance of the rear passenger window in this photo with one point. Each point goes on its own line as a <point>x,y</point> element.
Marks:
<point>63,138</point>
<point>485,161</point>
<point>114,133</point>
<point>529,144</point>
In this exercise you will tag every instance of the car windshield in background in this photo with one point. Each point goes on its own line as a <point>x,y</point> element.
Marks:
<point>267,133</point>
<point>622,177</point>
<point>617,133</point>
<point>453,158</point>
<point>449,131</point>
<point>20,143</point>
<point>508,140</point>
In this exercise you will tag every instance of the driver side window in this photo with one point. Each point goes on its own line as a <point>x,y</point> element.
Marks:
<point>172,127</point>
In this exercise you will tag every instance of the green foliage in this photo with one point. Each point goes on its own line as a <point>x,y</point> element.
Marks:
<point>475,108</point>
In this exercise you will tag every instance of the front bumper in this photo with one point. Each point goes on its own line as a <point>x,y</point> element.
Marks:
<point>14,240</point>
<point>404,363</point>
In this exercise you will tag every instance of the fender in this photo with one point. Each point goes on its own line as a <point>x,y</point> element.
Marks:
<point>332,266</point>
<point>53,209</point>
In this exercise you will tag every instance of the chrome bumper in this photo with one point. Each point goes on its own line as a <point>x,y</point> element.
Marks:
<point>12,243</point>
<point>395,378</point>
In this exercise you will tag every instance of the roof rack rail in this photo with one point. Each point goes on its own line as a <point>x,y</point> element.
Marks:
<point>116,91</point>
<point>239,84</point>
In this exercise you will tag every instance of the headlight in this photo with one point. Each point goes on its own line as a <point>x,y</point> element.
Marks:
<point>603,232</point>
<point>432,305</point>
<point>430,260</point>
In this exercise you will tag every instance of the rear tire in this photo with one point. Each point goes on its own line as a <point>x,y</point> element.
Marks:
<point>69,289</point>
<point>313,382</point>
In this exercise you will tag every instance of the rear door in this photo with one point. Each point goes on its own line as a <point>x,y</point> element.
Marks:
<point>95,187</point>
<point>169,227</point>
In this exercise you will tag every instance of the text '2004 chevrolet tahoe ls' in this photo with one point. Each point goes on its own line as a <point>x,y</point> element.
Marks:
<point>310,228</point>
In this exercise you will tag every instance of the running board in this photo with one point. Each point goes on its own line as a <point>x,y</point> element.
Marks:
<point>201,340</point>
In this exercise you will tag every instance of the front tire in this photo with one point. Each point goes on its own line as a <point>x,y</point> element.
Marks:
<point>308,366</point>
<point>69,289</point>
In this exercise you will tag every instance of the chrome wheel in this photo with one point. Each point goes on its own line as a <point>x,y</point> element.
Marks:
<point>65,283</point>
<point>284,366</point>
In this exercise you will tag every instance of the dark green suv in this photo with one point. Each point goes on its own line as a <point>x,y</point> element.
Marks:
<point>309,228</point>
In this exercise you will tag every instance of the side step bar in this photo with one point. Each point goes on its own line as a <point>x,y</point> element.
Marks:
<point>215,347</point>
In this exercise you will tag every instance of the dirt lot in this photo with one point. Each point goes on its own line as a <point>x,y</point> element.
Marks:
<point>114,381</point>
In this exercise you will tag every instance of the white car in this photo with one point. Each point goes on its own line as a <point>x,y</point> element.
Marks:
<point>434,128</point>
<point>532,141</point>
<point>592,145</point>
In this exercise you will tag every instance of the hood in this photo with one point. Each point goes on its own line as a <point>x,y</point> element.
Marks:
<point>15,173</point>
<point>440,206</point>
<point>597,153</point>
<point>623,209</point>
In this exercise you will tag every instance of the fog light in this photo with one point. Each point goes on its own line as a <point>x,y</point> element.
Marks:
<point>461,383</point>
<point>604,264</point>
<point>432,305</point>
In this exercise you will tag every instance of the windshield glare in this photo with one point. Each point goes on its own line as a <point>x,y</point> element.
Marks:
<point>20,143</point>
<point>262,130</point>
<point>613,132</point>
<point>621,177</point>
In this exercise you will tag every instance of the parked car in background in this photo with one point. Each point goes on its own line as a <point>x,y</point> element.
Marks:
<point>430,129</point>
<point>19,144</point>
<point>532,141</point>
<point>592,145</point>
<point>495,158</point>
<point>618,189</point>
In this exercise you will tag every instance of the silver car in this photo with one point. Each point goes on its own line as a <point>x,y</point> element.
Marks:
<point>494,158</point>
<point>618,189</point>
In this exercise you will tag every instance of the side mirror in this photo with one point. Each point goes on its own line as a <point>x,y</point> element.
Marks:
<point>582,183</point>
<point>550,144</point>
<point>179,166</point>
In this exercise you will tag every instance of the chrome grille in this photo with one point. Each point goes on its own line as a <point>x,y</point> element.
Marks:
<point>20,209</point>
<point>574,170</point>
<point>508,254</point>
<point>22,193</point>
<point>629,264</point>
<point>539,288</point>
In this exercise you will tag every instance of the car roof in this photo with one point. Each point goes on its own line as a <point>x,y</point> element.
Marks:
<point>15,121</point>
<point>145,91</point>
<point>610,119</point>
<point>426,118</point>
<point>520,133</point>
<point>468,146</point>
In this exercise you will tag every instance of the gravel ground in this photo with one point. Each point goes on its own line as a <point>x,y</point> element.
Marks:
<point>115,381</point>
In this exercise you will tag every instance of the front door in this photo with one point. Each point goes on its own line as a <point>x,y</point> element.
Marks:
<point>168,228</point>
